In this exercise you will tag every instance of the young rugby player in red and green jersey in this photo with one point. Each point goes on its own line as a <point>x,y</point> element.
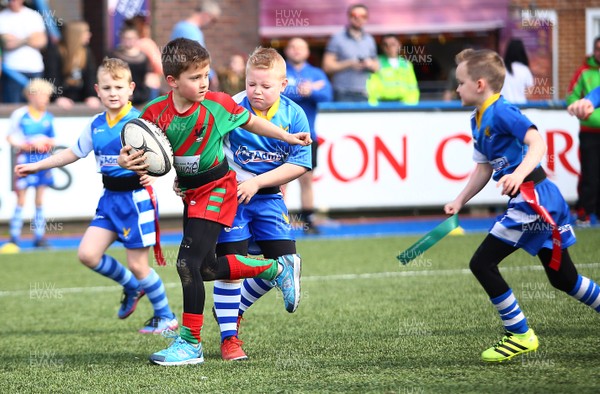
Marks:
<point>195,122</point>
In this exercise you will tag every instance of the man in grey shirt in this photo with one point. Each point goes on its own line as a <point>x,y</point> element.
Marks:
<point>351,56</point>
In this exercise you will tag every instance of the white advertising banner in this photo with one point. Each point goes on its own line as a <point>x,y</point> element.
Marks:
<point>366,160</point>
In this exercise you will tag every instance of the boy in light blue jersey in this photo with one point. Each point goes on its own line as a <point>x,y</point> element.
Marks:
<point>31,135</point>
<point>127,210</point>
<point>509,148</point>
<point>262,165</point>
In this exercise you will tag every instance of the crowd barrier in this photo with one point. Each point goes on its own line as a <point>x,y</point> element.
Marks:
<point>389,156</point>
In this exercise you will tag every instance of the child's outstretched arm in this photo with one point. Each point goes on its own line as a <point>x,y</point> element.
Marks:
<point>581,108</point>
<point>281,175</point>
<point>60,159</point>
<point>584,107</point>
<point>479,178</point>
<point>537,149</point>
<point>265,128</point>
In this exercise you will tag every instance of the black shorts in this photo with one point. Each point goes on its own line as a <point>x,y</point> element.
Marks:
<point>314,147</point>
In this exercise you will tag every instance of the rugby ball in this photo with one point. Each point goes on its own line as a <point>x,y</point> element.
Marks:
<point>144,135</point>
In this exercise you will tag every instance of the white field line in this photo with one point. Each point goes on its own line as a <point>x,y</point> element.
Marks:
<point>46,286</point>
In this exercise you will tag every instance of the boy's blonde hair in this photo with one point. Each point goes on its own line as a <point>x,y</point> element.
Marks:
<point>266,59</point>
<point>116,68</point>
<point>37,86</point>
<point>484,64</point>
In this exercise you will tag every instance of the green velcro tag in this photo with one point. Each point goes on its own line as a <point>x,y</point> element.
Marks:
<point>430,239</point>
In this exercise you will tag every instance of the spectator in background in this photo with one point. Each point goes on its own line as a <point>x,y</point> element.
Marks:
<point>395,80</point>
<point>307,86</point>
<point>451,86</point>
<point>586,79</point>
<point>232,79</point>
<point>73,67</point>
<point>149,48</point>
<point>23,34</point>
<point>191,28</point>
<point>518,75</point>
<point>130,53</point>
<point>351,56</point>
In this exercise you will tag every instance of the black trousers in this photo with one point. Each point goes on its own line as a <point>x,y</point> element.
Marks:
<point>492,251</point>
<point>589,181</point>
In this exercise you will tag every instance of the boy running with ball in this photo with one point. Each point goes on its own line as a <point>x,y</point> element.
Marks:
<point>196,122</point>
<point>509,148</point>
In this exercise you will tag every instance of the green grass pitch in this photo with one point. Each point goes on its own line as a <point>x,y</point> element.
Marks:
<point>365,324</point>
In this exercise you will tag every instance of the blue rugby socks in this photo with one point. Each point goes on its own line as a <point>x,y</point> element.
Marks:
<point>587,291</point>
<point>114,270</point>
<point>252,290</point>
<point>155,291</point>
<point>512,317</point>
<point>227,302</point>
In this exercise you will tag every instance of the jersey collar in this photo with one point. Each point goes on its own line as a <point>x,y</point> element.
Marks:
<point>34,113</point>
<point>124,111</point>
<point>486,104</point>
<point>270,113</point>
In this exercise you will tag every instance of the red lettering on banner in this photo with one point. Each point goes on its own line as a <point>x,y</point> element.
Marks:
<point>561,156</point>
<point>381,148</point>
<point>439,156</point>
<point>364,158</point>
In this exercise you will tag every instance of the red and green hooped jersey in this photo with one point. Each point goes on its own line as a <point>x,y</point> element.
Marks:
<point>197,134</point>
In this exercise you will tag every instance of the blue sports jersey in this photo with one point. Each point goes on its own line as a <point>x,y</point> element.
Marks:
<point>250,154</point>
<point>265,217</point>
<point>25,127</point>
<point>594,97</point>
<point>499,129</point>
<point>103,136</point>
<point>498,132</point>
<point>308,73</point>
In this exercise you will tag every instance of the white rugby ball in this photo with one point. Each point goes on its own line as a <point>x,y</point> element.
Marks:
<point>144,135</point>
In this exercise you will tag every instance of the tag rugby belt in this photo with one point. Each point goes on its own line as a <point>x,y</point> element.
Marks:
<point>217,172</point>
<point>210,175</point>
<point>536,176</point>
<point>527,189</point>
<point>121,184</point>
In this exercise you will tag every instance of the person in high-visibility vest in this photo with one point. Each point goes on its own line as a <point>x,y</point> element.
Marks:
<point>395,80</point>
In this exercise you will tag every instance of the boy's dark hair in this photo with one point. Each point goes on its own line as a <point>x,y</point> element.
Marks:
<point>515,52</point>
<point>352,7</point>
<point>182,53</point>
<point>484,64</point>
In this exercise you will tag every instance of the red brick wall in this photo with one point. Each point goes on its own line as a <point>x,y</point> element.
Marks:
<point>236,31</point>
<point>571,34</point>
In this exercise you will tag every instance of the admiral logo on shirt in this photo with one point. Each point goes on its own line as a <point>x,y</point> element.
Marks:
<point>246,156</point>
<point>107,160</point>
<point>97,130</point>
<point>499,163</point>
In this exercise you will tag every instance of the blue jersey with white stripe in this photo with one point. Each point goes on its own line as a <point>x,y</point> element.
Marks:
<point>499,129</point>
<point>24,126</point>
<point>250,154</point>
<point>103,136</point>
